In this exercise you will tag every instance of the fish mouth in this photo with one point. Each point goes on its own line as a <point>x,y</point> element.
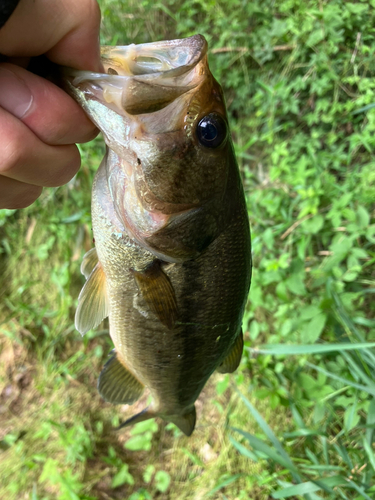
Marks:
<point>144,78</point>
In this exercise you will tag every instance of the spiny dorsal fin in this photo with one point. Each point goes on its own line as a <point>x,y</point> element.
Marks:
<point>233,359</point>
<point>158,292</point>
<point>89,261</point>
<point>92,301</point>
<point>117,385</point>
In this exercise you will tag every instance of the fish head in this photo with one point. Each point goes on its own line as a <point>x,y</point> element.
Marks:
<point>164,121</point>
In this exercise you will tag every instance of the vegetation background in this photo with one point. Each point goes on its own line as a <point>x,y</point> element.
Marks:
<point>298,418</point>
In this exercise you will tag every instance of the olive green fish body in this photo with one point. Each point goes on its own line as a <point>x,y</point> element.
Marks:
<point>210,291</point>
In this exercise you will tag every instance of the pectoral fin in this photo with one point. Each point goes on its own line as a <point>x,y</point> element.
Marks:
<point>89,261</point>
<point>233,359</point>
<point>92,301</point>
<point>117,385</point>
<point>158,292</point>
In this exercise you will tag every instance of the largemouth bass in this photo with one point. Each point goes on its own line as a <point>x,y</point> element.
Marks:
<point>172,260</point>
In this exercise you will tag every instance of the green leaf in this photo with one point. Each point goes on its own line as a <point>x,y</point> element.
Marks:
<point>306,381</point>
<point>148,473</point>
<point>351,417</point>
<point>147,425</point>
<point>312,331</point>
<point>139,442</point>
<point>162,481</point>
<point>123,476</point>
<point>363,217</point>
<point>313,225</point>
<point>309,312</point>
<point>296,284</point>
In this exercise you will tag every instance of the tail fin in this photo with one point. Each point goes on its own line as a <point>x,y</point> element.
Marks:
<point>185,423</point>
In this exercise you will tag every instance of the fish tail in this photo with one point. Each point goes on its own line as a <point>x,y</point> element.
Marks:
<point>186,422</point>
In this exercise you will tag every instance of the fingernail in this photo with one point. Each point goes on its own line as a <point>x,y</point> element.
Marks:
<point>15,95</point>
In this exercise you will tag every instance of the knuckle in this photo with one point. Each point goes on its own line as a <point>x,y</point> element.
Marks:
<point>12,155</point>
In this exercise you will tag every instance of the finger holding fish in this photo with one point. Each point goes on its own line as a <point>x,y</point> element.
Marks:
<point>38,121</point>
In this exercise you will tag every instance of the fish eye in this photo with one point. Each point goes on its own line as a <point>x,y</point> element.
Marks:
<point>212,130</point>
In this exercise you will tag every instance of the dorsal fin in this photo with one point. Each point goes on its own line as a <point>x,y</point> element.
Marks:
<point>92,301</point>
<point>232,360</point>
<point>158,292</point>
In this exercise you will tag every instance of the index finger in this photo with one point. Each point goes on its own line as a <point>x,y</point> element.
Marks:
<point>66,30</point>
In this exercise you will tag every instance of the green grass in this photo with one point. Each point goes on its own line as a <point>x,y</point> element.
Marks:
<point>300,88</point>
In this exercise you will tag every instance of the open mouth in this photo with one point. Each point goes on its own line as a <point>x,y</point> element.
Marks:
<point>144,78</point>
<point>173,58</point>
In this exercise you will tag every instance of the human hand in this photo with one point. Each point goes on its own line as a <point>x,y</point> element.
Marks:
<point>39,122</point>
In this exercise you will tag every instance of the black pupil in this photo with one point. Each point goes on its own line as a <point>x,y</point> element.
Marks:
<point>212,130</point>
<point>209,131</point>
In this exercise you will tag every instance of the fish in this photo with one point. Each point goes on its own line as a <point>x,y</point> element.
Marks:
<point>171,266</point>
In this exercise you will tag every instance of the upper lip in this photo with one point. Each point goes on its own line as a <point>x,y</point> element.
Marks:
<point>149,76</point>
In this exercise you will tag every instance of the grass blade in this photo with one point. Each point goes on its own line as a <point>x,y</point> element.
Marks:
<point>368,389</point>
<point>269,434</point>
<point>243,450</point>
<point>370,453</point>
<point>269,452</point>
<point>224,483</point>
<point>291,350</point>
<point>309,487</point>
<point>370,422</point>
<point>360,490</point>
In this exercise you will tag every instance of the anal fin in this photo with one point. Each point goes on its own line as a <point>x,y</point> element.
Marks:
<point>117,385</point>
<point>232,360</point>
<point>158,293</point>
